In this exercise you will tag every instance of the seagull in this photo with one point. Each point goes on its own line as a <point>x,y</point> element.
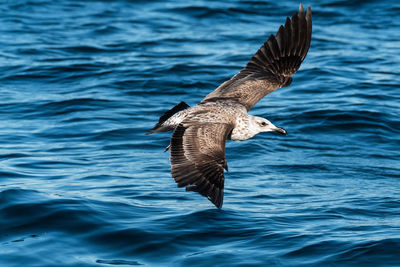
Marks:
<point>200,132</point>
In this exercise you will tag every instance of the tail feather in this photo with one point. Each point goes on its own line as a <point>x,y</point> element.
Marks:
<point>159,127</point>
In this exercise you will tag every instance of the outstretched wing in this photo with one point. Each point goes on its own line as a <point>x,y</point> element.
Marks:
<point>198,158</point>
<point>273,64</point>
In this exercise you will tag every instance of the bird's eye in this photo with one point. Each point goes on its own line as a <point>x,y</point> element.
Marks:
<point>263,123</point>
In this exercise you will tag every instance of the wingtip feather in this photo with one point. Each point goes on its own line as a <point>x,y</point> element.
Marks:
<point>301,8</point>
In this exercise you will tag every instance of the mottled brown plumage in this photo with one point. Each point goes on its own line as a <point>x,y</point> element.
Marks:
<point>273,64</point>
<point>198,158</point>
<point>198,142</point>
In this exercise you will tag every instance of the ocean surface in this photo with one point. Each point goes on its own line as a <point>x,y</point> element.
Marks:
<point>81,185</point>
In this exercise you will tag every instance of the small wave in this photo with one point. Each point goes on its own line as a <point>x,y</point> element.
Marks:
<point>118,262</point>
<point>81,185</point>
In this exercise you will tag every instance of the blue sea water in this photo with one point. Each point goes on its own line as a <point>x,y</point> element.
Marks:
<point>81,185</point>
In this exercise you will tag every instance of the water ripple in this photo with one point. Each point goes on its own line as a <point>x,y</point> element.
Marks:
<point>81,185</point>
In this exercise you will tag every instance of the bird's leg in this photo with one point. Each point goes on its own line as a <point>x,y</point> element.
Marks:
<point>167,148</point>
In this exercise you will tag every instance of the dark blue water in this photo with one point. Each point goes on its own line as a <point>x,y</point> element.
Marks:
<point>80,184</point>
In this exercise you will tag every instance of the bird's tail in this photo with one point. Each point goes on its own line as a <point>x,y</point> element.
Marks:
<point>161,126</point>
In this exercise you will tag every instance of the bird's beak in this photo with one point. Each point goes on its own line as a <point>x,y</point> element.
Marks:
<point>280,130</point>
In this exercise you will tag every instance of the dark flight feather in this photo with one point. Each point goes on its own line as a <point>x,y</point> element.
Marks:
<point>198,158</point>
<point>273,64</point>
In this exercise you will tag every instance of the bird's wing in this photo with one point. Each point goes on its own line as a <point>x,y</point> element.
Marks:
<point>273,64</point>
<point>198,158</point>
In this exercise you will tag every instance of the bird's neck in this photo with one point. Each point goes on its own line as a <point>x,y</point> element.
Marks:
<point>244,129</point>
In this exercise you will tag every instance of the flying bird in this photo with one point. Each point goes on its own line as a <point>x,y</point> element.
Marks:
<point>200,132</point>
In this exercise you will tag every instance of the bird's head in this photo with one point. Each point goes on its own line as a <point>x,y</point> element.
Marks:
<point>263,125</point>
